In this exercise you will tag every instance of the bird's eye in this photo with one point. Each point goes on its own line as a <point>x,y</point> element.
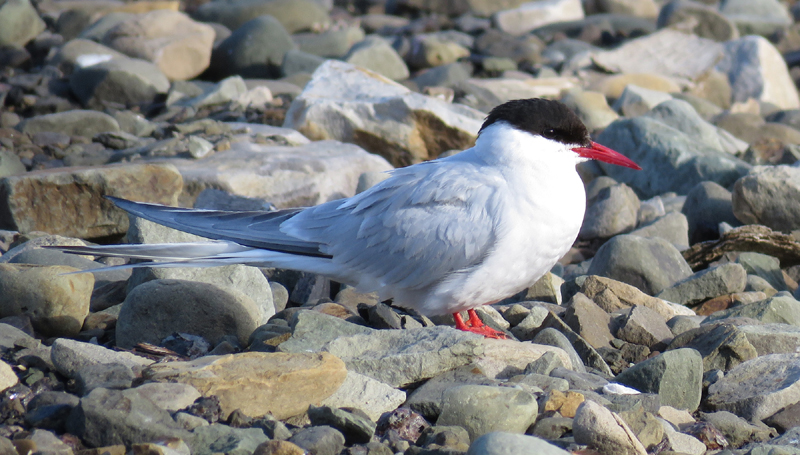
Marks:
<point>549,134</point>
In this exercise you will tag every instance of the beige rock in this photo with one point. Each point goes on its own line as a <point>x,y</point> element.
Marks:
<point>7,376</point>
<point>531,15</point>
<point>604,431</point>
<point>612,295</point>
<point>613,86</point>
<point>258,383</point>
<point>367,394</point>
<point>178,45</point>
<point>57,303</point>
<point>279,448</point>
<point>675,416</point>
<point>352,104</point>
<point>565,403</point>
<point>70,202</point>
<point>506,358</point>
<point>513,89</point>
<point>591,107</point>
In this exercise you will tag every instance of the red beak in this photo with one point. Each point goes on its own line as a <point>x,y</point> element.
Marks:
<point>606,155</point>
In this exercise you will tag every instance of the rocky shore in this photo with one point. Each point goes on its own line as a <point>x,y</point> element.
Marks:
<point>671,327</point>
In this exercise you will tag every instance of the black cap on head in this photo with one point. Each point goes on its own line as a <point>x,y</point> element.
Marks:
<point>548,118</point>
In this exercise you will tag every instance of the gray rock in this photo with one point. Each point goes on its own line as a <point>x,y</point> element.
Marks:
<point>645,327</point>
<point>651,265</point>
<point>781,308</point>
<point>708,204</point>
<point>589,321</point>
<point>761,17</point>
<point>159,308</point>
<point>312,330</point>
<point>599,428</point>
<point>483,409</point>
<point>98,28</point>
<point>255,49</point>
<point>676,161</point>
<point>522,19</point>
<point>551,428</point>
<point>69,356</point>
<point>672,227</point>
<point>217,438</point>
<point>636,100</point>
<point>708,22</point>
<point>723,346</point>
<point>355,426</point>
<point>10,164</point>
<point>764,266</point>
<point>501,443</point>
<point>707,284</point>
<point>757,284</point>
<point>294,15</point>
<point>613,210</point>
<point>236,278</point>
<point>772,338</point>
<point>681,115</point>
<point>340,94</point>
<point>542,382</point>
<point>131,82</point>
<point>552,337</point>
<point>757,70</point>
<point>19,23</point>
<point>297,61</point>
<point>436,49</point>
<point>50,410</point>
<point>367,395</point>
<point>321,440</point>
<point>107,376</point>
<point>769,195</point>
<point>676,376</point>
<point>376,54</point>
<point>736,430</point>
<point>11,336</point>
<point>758,388</point>
<point>442,76</point>
<point>427,399</point>
<point>73,123</point>
<point>332,43</point>
<point>444,437</point>
<point>108,417</point>
<point>170,396</point>
<point>299,176</point>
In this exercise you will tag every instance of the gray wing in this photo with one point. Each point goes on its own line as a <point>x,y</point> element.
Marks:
<point>257,229</point>
<point>411,230</point>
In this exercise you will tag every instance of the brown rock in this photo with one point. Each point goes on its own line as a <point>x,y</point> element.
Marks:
<point>589,321</point>
<point>258,383</point>
<point>70,202</point>
<point>279,448</point>
<point>612,295</point>
<point>56,303</point>
<point>565,403</point>
<point>644,327</point>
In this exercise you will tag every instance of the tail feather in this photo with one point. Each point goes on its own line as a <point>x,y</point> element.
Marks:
<point>158,251</point>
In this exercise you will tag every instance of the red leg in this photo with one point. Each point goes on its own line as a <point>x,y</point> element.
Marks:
<point>475,325</point>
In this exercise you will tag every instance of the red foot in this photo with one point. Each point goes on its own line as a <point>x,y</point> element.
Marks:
<point>475,325</point>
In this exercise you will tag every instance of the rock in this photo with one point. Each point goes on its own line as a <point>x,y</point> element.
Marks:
<point>613,295</point>
<point>365,394</point>
<point>296,62</point>
<point>230,89</point>
<point>667,53</point>
<point>672,227</point>
<point>19,23</point>
<point>422,127</point>
<point>256,382</point>
<point>772,338</point>
<point>73,123</point>
<point>757,70</point>
<point>613,210</point>
<point>781,308</point>
<point>217,437</point>
<point>499,443</point>
<point>708,204</point>
<point>531,15</point>
<point>355,426</point>
<point>702,20</point>
<point>169,396</point>
<point>643,326</point>
<point>7,376</point>
<point>179,46</point>
<point>552,337</point>
<point>651,265</point>
<point>589,321</point>
<point>764,266</point>
<point>636,100</point>
<point>107,417</point>
<point>722,346</point>
<point>111,376</point>
<point>565,404</point>
<point>681,115</point>
<point>10,164</point>
<point>483,409</point>
<point>332,43</point>
<point>242,279</point>
<point>427,399</point>
<point>159,308</point>
<point>328,170</point>
<point>442,76</point>
<point>613,86</point>
<point>130,82</point>
<point>69,356</point>
<point>321,440</point>
<point>294,15</point>
<point>56,303</point>
<point>377,55</point>
<point>682,443</point>
<point>757,18</point>
<point>644,425</point>
<point>707,284</point>
<point>507,89</point>
<point>278,448</point>
<point>431,50</point>
<point>255,49</point>
<point>676,376</point>
<point>592,108</point>
<point>604,431</point>
<point>768,195</point>
<point>682,161</point>
<point>758,388</point>
<point>736,430</point>
<point>506,358</point>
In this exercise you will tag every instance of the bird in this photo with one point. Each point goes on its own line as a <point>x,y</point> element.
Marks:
<point>439,237</point>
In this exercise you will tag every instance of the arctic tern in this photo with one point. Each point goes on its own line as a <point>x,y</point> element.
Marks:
<point>439,237</point>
